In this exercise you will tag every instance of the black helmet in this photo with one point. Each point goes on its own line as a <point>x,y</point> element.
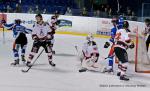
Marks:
<point>147,21</point>
<point>38,15</point>
<point>17,21</point>
<point>125,24</point>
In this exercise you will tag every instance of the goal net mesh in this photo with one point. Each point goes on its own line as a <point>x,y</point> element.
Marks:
<point>138,55</point>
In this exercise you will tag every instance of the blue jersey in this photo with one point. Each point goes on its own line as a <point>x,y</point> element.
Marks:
<point>113,33</point>
<point>120,22</point>
<point>17,29</point>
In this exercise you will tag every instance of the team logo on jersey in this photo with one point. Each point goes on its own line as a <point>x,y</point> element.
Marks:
<point>64,23</point>
<point>41,33</point>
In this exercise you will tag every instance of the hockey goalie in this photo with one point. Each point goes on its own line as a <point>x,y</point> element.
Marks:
<point>90,55</point>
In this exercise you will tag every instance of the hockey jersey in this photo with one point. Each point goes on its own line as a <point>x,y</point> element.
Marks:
<point>113,33</point>
<point>17,29</point>
<point>120,22</point>
<point>122,38</point>
<point>42,30</point>
<point>53,24</point>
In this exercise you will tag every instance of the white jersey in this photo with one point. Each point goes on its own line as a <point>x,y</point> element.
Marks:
<point>41,31</point>
<point>89,48</point>
<point>122,36</point>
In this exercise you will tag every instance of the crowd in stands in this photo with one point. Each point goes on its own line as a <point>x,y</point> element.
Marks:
<point>65,7</point>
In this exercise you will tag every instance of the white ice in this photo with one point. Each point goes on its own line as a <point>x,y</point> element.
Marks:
<point>65,76</point>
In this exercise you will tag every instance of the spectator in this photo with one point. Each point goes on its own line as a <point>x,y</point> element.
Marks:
<point>110,13</point>
<point>37,11</point>
<point>30,11</point>
<point>45,11</point>
<point>8,9</point>
<point>102,8</point>
<point>97,13</point>
<point>133,17</point>
<point>68,12</point>
<point>128,12</point>
<point>105,13</point>
<point>84,12</point>
<point>18,8</point>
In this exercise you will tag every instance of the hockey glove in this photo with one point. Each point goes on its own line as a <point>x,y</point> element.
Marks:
<point>35,38</point>
<point>3,21</point>
<point>106,45</point>
<point>132,46</point>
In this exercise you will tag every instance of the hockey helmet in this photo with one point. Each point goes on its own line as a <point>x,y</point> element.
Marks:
<point>125,24</point>
<point>114,20</point>
<point>39,15</point>
<point>147,21</point>
<point>17,21</point>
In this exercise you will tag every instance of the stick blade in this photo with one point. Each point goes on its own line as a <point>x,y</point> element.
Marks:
<point>24,71</point>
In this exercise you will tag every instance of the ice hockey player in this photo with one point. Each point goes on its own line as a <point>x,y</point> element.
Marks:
<point>41,35</point>
<point>123,42</point>
<point>53,25</point>
<point>90,54</point>
<point>111,42</point>
<point>19,34</point>
<point>117,24</point>
<point>147,32</point>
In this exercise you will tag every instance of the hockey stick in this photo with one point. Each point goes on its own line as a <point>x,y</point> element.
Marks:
<point>24,71</point>
<point>76,47</point>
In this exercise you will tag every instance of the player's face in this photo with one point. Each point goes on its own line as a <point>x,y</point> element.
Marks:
<point>38,19</point>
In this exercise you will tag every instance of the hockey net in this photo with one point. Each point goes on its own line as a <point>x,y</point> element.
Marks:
<point>138,55</point>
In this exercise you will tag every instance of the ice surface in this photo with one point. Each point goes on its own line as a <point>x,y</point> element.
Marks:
<point>65,76</point>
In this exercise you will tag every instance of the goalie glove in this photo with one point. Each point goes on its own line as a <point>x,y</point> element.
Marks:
<point>106,45</point>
